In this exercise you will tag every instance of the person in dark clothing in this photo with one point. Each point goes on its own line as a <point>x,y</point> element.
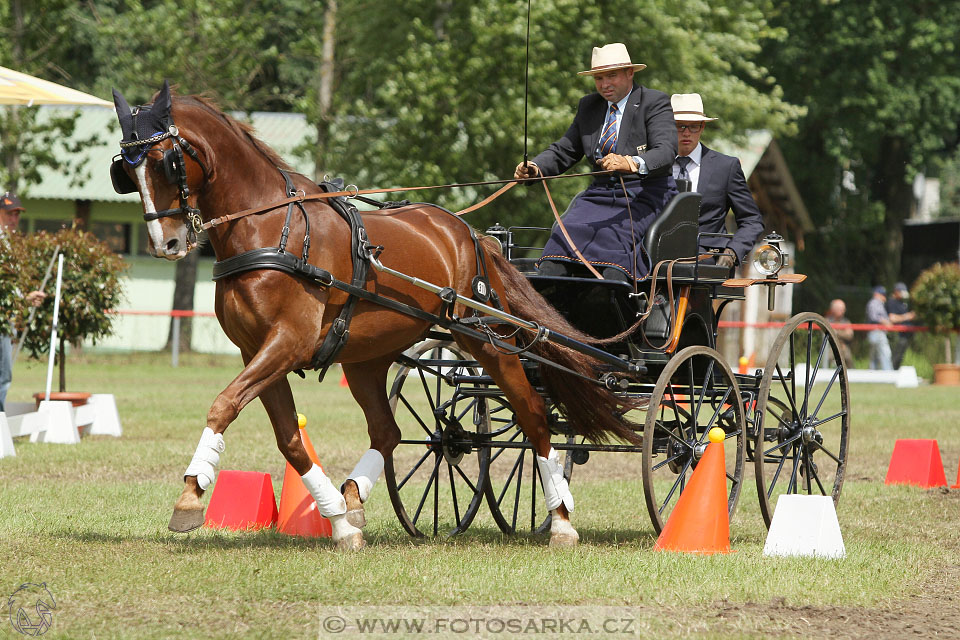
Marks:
<point>899,313</point>
<point>626,128</point>
<point>719,179</point>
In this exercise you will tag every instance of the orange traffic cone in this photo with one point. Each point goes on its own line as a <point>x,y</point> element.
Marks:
<point>343,381</point>
<point>700,522</point>
<point>957,486</point>
<point>298,509</point>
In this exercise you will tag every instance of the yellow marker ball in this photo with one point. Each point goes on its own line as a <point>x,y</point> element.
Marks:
<point>716,434</point>
<point>301,420</point>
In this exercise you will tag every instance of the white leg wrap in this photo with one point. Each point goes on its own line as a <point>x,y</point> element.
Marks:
<point>555,488</point>
<point>206,459</point>
<point>365,474</point>
<point>341,528</point>
<point>330,502</point>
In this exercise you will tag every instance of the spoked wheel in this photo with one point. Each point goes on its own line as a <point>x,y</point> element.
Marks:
<point>695,392</point>
<point>436,475</point>
<point>514,493</point>
<point>802,415</point>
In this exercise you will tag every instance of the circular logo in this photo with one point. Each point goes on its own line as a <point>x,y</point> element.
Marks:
<point>30,609</point>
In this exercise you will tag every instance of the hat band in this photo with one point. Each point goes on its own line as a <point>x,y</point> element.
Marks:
<point>615,64</point>
<point>692,113</point>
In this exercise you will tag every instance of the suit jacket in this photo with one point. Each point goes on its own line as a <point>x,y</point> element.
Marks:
<point>724,187</point>
<point>647,129</point>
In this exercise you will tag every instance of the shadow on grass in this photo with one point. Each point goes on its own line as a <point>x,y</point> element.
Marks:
<point>204,539</point>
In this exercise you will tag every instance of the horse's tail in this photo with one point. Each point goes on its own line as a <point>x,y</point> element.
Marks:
<point>592,410</point>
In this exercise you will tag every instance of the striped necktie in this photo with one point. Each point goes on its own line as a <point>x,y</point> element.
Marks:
<point>683,161</point>
<point>608,139</point>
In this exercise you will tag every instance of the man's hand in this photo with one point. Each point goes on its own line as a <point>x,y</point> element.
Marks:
<point>526,170</point>
<point>727,259</point>
<point>616,162</point>
<point>36,298</point>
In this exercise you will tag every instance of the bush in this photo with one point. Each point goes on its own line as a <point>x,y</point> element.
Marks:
<point>936,299</point>
<point>89,291</point>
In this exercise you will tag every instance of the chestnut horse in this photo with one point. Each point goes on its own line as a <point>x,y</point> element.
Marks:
<point>279,320</point>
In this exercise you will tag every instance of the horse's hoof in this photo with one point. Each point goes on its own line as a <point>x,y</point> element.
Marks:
<point>352,542</point>
<point>565,539</point>
<point>357,518</point>
<point>185,520</point>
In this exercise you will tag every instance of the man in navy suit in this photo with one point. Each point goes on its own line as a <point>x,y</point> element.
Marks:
<point>625,128</point>
<point>719,179</point>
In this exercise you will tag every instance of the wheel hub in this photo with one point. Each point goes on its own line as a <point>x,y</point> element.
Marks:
<point>455,443</point>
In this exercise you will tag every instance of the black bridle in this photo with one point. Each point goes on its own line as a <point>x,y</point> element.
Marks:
<point>173,167</point>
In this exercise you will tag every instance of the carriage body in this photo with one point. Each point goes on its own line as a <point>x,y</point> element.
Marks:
<point>770,420</point>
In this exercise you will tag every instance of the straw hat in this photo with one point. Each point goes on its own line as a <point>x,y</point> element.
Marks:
<point>688,107</point>
<point>610,57</point>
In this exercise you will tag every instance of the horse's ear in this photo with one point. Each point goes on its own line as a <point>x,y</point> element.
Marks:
<point>161,106</point>
<point>123,113</point>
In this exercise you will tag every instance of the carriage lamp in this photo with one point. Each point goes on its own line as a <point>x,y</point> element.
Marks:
<point>769,260</point>
<point>499,233</point>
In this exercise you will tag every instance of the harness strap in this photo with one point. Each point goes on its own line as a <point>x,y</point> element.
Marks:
<point>339,332</point>
<point>269,258</point>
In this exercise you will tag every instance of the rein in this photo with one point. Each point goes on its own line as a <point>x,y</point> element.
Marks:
<point>352,193</point>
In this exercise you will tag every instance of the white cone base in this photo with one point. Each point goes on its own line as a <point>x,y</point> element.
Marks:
<point>61,428</point>
<point>106,420</point>
<point>6,439</point>
<point>805,526</point>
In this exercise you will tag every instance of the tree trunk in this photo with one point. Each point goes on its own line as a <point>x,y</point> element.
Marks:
<point>186,281</point>
<point>890,187</point>
<point>325,89</point>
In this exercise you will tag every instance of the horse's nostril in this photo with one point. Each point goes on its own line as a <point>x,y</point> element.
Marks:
<point>173,245</point>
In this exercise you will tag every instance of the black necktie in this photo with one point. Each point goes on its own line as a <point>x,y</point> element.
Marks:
<point>683,161</point>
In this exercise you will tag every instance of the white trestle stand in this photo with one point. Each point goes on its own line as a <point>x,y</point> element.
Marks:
<point>106,420</point>
<point>6,438</point>
<point>61,428</point>
<point>805,526</point>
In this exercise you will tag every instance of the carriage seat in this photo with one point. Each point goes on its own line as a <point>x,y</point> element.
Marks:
<point>674,235</point>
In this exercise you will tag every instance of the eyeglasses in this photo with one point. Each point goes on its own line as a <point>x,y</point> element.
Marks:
<point>692,128</point>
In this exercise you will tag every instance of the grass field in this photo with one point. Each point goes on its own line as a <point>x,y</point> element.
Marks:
<point>90,522</point>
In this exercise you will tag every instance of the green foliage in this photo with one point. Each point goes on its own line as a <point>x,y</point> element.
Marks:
<point>89,291</point>
<point>440,97</point>
<point>936,297</point>
<point>881,81</point>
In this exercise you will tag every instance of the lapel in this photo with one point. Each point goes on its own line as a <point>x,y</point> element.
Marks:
<point>599,115</point>
<point>706,168</point>
<point>631,111</point>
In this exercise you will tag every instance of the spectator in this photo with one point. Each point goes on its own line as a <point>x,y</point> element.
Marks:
<point>837,314</point>
<point>879,346</point>
<point>899,313</point>
<point>10,209</point>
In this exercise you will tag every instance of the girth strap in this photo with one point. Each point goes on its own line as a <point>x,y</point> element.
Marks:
<point>339,332</point>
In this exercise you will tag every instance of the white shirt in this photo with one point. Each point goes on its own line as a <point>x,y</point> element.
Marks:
<point>620,107</point>
<point>693,169</point>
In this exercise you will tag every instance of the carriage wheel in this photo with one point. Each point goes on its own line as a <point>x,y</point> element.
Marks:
<point>695,392</point>
<point>514,493</point>
<point>802,415</point>
<point>435,476</point>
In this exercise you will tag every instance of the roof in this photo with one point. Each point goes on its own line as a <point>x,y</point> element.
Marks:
<point>761,155</point>
<point>750,152</point>
<point>283,132</point>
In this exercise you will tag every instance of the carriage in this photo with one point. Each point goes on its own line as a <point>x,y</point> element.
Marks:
<point>496,370</point>
<point>790,419</point>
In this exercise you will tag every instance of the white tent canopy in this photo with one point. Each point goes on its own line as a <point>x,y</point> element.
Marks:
<point>20,88</point>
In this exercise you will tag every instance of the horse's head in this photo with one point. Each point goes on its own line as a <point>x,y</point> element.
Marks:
<point>156,161</point>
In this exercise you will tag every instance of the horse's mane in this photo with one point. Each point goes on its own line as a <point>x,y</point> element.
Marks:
<point>242,129</point>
